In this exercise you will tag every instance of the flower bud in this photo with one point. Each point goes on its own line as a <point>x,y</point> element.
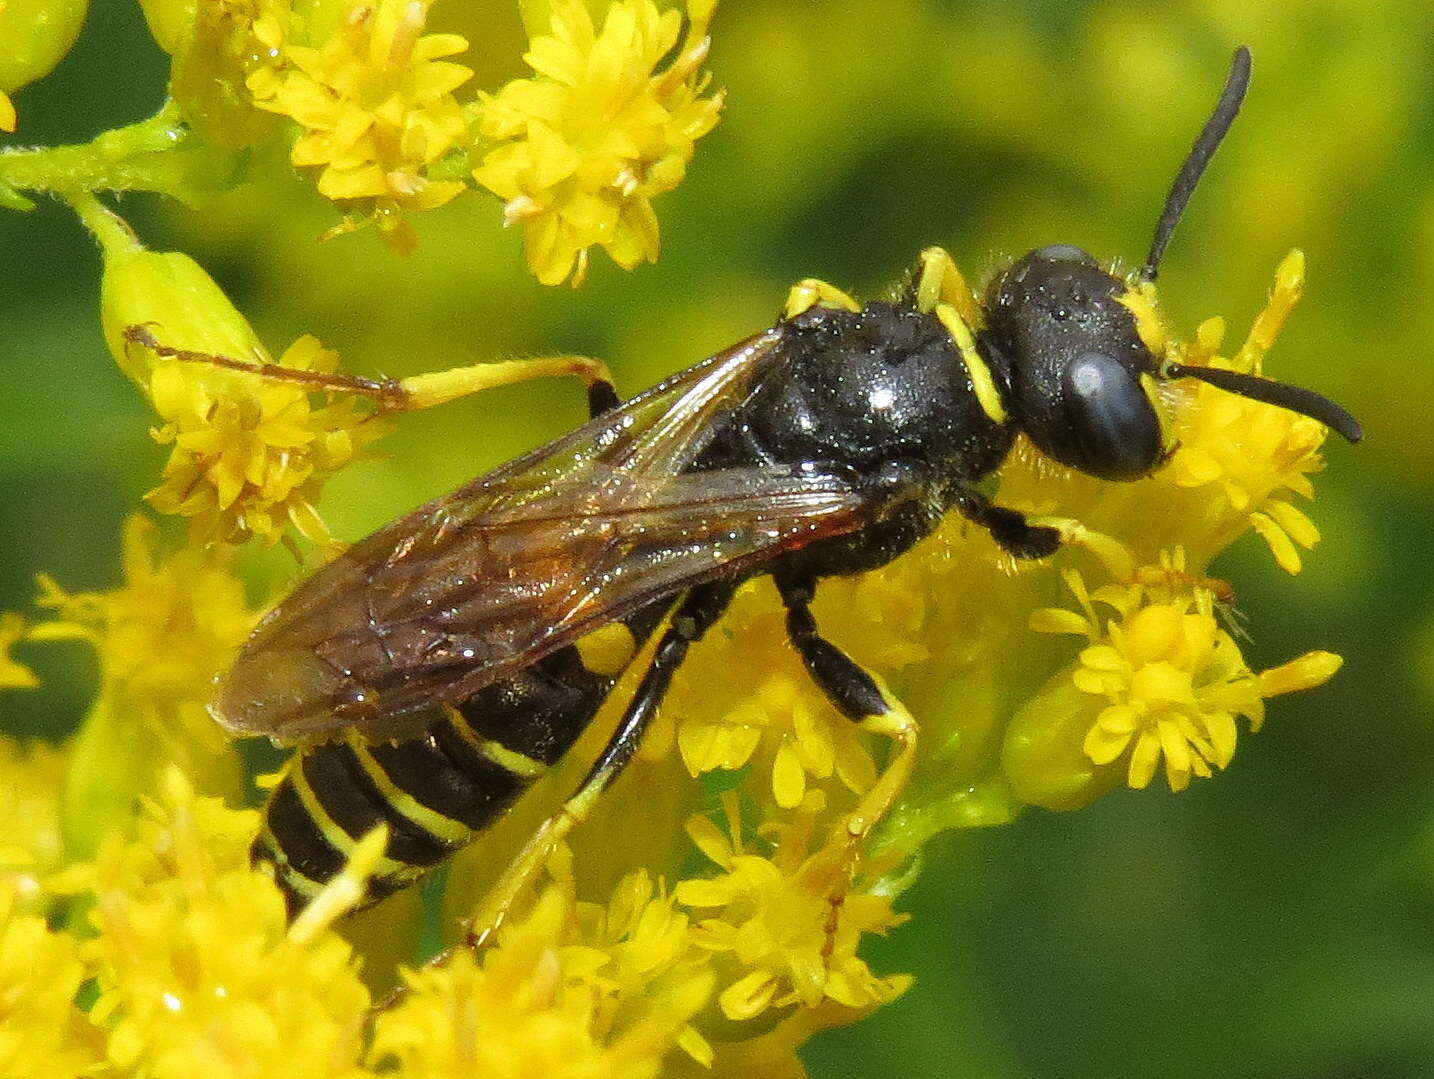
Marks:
<point>169,22</point>
<point>1044,758</point>
<point>169,295</point>
<point>35,35</point>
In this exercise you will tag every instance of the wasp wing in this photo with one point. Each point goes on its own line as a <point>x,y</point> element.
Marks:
<point>484,581</point>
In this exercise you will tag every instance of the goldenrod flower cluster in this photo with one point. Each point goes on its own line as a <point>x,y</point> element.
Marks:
<point>602,128</point>
<point>387,124</point>
<point>374,104</point>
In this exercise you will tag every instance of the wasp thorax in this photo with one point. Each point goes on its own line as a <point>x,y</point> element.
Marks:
<point>1072,362</point>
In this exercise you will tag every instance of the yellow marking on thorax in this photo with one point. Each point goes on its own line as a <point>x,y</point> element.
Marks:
<point>1139,300</point>
<point>809,292</point>
<point>941,282</point>
<point>607,650</point>
<point>445,828</point>
<point>981,380</point>
<point>336,837</point>
<point>520,764</point>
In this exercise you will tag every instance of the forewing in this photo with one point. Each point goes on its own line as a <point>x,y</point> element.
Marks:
<point>480,583</point>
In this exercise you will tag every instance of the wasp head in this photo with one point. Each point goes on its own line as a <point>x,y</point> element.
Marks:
<point>1065,343</point>
<point>1078,376</point>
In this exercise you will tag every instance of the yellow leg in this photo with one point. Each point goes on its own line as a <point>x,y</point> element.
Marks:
<point>414,392</point>
<point>838,861</point>
<point>939,281</point>
<point>438,387</point>
<point>809,292</point>
<point>897,724</point>
<point>524,870</point>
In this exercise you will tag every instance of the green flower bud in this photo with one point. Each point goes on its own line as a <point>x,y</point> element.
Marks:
<point>35,35</point>
<point>169,295</point>
<point>169,22</point>
<point>1044,758</point>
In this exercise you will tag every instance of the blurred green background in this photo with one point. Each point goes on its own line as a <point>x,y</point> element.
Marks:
<point>1277,921</point>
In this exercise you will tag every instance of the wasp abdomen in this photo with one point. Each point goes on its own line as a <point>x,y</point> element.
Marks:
<point>437,791</point>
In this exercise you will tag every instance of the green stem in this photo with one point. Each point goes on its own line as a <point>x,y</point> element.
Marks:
<point>113,234</point>
<point>159,154</point>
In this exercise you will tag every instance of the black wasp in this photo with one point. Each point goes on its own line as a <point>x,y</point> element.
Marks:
<point>442,664</point>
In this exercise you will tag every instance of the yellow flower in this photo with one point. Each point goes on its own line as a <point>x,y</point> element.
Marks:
<point>250,453</point>
<point>546,1001</point>
<point>42,1034</point>
<point>729,710</point>
<point>216,45</point>
<point>599,131</point>
<point>788,921</point>
<point>1246,458</point>
<point>196,969</point>
<point>375,108</point>
<point>1172,680</point>
<point>161,637</point>
<point>30,848</point>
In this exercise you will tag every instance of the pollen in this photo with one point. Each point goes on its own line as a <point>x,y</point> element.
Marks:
<point>579,149</point>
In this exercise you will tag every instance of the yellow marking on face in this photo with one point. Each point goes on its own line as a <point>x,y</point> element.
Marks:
<point>1139,300</point>
<point>520,764</point>
<point>400,801</point>
<point>607,650</point>
<point>1162,414</point>
<point>810,291</point>
<point>981,380</point>
<point>941,281</point>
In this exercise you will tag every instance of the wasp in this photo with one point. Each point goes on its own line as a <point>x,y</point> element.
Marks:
<point>441,665</point>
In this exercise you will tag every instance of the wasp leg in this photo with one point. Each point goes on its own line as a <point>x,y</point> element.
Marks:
<point>1009,527</point>
<point>809,292</point>
<point>414,392</point>
<point>859,697</point>
<point>939,281</point>
<point>696,614</point>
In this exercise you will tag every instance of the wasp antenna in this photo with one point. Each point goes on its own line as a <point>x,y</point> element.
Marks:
<point>1295,398</point>
<point>1236,83</point>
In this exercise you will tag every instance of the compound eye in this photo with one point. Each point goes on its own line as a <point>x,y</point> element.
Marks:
<point>1114,424</point>
<point>1063,253</point>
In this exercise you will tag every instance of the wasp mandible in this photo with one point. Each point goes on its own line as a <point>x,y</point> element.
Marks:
<point>442,664</point>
